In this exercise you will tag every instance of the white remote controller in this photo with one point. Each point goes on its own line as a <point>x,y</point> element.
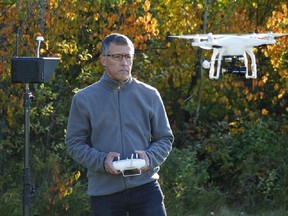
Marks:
<point>129,164</point>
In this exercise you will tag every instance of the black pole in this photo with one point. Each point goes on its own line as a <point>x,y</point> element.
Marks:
<point>27,185</point>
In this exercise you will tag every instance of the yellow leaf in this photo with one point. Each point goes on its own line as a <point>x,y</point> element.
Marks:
<point>77,175</point>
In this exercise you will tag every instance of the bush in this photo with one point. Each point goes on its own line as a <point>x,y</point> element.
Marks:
<point>241,165</point>
<point>185,183</point>
<point>11,202</point>
<point>249,162</point>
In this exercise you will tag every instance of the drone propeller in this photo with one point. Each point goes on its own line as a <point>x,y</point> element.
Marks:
<point>200,36</point>
<point>280,34</point>
<point>189,37</point>
<point>265,35</point>
<point>216,36</point>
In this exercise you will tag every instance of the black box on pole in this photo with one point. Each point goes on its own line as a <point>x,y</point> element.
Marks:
<point>33,70</point>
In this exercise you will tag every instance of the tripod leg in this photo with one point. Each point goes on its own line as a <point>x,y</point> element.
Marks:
<point>27,185</point>
<point>27,191</point>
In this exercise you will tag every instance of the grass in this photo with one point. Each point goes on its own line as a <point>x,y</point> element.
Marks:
<point>225,211</point>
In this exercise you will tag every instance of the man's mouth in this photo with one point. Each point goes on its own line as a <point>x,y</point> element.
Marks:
<point>124,70</point>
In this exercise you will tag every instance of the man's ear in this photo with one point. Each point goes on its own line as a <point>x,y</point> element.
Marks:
<point>103,60</point>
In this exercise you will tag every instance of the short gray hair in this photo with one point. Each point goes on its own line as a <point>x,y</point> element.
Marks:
<point>116,38</point>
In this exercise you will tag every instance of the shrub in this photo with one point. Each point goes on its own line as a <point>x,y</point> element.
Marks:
<point>185,184</point>
<point>249,162</point>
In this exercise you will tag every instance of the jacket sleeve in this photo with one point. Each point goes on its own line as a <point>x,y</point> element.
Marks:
<point>78,137</point>
<point>161,134</point>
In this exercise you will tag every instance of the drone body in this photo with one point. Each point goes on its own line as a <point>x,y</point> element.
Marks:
<point>231,48</point>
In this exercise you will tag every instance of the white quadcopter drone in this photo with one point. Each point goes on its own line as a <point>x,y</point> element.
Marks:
<point>230,48</point>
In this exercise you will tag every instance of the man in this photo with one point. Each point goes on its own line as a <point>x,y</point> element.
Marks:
<point>114,118</point>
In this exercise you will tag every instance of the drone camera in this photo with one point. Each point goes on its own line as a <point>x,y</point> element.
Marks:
<point>233,65</point>
<point>235,70</point>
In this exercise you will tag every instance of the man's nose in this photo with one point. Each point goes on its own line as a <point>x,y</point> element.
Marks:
<point>124,61</point>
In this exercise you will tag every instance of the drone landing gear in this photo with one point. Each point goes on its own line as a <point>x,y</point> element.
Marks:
<point>212,74</point>
<point>231,64</point>
<point>253,65</point>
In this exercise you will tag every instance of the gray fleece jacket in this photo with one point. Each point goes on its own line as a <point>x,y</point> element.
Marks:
<point>120,117</point>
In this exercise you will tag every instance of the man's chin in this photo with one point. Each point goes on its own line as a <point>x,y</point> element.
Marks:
<point>124,76</point>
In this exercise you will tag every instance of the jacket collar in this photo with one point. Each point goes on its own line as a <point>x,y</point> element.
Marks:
<point>113,85</point>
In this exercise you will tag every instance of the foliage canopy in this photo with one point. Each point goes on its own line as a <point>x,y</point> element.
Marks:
<point>231,134</point>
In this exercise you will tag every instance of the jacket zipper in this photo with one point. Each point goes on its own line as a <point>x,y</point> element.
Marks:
<point>121,128</point>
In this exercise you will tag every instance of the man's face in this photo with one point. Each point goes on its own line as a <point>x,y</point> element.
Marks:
<point>118,67</point>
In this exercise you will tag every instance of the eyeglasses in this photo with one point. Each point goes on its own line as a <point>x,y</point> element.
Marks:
<point>119,57</point>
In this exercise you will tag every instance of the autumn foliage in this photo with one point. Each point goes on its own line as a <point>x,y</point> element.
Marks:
<point>230,134</point>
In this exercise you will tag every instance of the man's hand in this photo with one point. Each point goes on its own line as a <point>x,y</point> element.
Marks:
<point>108,163</point>
<point>144,156</point>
